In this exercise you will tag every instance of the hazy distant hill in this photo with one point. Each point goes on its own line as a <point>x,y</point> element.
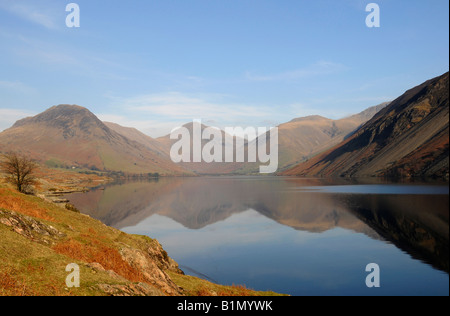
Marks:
<point>70,135</point>
<point>204,167</point>
<point>410,137</point>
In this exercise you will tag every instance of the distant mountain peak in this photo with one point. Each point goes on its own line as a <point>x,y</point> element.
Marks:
<point>71,120</point>
<point>65,110</point>
<point>310,118</point>
<point>62,112</point>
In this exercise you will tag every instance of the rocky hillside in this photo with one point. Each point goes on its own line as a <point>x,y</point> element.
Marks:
<point>408,138</point>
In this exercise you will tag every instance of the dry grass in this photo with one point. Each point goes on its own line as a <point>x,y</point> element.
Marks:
<point>93,250</point>
<point>10,200</point>
<point>12,285</point>
<point>15,283</point>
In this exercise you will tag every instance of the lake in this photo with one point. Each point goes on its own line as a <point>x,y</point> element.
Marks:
<point>290,235</point>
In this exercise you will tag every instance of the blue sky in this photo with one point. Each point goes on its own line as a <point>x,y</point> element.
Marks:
<point>156,64</point>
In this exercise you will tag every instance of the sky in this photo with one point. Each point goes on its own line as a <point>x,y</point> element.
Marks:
<point>157,64</point>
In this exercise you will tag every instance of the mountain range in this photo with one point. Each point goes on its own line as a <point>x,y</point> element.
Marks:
<point>405,137</point>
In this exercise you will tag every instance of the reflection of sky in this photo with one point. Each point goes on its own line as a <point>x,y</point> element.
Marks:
<point>248,248</point>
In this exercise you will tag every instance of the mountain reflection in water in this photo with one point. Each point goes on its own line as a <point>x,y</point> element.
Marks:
<point>412,217</point>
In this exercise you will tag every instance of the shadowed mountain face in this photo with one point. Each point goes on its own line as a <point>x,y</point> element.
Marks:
<point>407,138</point>
<point>415,223</point>
<point>70,135</point>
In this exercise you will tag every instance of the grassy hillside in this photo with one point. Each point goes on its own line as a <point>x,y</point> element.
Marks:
<point>39,239</point>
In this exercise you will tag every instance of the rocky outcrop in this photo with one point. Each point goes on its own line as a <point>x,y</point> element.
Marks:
<point>30,228</point>
<point>125,289</point>
<point>151,272</point>
<point>156,252</point>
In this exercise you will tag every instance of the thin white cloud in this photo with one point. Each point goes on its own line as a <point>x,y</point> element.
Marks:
<point>157,114</point>
<point>152,128</point>
<point>70,60</point>
<point>182,106</point>
<point>319,68</point>
<point>16,86</point>
<point>30,12</point>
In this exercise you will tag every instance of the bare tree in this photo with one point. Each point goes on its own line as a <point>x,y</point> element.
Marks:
<point>19,170</point>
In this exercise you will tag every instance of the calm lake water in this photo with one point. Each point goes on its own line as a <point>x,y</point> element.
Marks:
<point>289,235</point>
